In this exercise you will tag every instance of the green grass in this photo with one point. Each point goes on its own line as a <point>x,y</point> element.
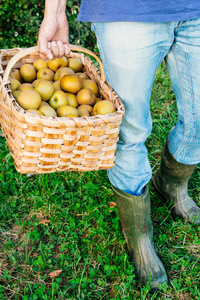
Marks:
<point>84,237</point>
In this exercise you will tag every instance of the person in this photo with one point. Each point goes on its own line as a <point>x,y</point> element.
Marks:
<point>133,38</point>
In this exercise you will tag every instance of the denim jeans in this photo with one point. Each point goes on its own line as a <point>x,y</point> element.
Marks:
<point>131,52</point>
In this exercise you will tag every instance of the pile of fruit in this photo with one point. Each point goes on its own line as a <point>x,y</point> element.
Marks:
<point>57,88</point>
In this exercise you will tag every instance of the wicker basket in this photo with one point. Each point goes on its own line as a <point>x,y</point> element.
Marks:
<point>42,144</point>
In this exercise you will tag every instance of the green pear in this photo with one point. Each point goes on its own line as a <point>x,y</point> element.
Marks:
<point>14,84</point>
<point>16,93</point>
<point>57,99</point>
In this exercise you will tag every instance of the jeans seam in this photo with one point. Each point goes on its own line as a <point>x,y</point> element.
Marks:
<point>192,108</point>
<point>177,152</point>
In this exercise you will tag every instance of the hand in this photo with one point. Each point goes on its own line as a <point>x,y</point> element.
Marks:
<point>53,38</point>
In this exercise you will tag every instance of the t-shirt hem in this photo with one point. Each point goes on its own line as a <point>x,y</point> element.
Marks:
<point>138,18</point>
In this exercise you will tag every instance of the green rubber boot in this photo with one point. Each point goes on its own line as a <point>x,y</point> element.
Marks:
<point>171,181</point>
<point>134,214</point>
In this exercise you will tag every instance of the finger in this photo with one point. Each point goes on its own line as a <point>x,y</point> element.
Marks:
<point>54,49</point>
<point>67,49</point>
<point>43,57</point>
<point>45,52</point>
<point>61,49</point>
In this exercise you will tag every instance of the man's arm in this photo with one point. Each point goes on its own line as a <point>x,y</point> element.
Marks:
<point>53,37</point>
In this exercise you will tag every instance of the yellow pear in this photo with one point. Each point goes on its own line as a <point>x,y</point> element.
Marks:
<point>45,89</point>
<point>48,111</point>
<point>57,63</point>
<point>40,64</point>
<point>64,110</point>
<point>35,82</point>
<point>25,86</point>
<point>14,84</point>
<point>43,103</point>
<point>86,96</point>
<point>75,64</point>
<point>15,74</point>
<point>61,72</point>
<point>84,110</point>
<point>72,101</point>
<point>98,99</point>
<point>71,84</point>
<point>91,84</point>
<point>56,85</point>
<point>71,116</point>
<point>34,111</point>
<point>82,75</point>
<point>29,99</point>
<point>104,107</point>
<point>28,72</point>
<point>46,74</point>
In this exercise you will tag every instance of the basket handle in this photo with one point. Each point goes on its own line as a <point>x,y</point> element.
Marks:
<point>34,49</point>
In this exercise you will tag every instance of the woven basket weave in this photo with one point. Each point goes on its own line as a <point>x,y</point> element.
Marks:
<point>41,144</point>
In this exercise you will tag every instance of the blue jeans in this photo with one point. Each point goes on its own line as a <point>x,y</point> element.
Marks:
<point>131,52</point>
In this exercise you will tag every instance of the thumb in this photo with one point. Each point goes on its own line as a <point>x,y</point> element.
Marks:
<point>45,51</point>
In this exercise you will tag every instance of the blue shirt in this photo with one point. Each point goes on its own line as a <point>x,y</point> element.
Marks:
<point>138,10</point>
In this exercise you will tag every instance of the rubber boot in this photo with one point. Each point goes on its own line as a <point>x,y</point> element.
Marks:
<point>171,181</point>
<point>134,214</point>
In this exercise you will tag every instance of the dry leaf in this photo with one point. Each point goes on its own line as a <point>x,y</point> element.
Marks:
<point>112,204</point>
<point>34,255</point>
<point>16,228</point>
<point>55,273</point>
<point>44,221</point>
<point>20,249</point>
<point>38,273</point>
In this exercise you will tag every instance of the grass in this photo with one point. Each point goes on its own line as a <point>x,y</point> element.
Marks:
<point>64,222</point>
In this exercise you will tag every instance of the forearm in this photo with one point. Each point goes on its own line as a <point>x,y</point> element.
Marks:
<point>55,8</point>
